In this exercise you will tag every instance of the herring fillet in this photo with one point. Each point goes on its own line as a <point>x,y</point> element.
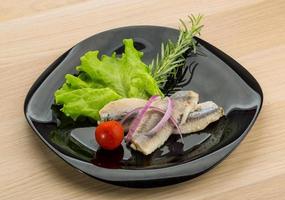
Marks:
<point>190,116</point>
<point>145,143</point>
<point>205,113</point>
<point>116,110</point>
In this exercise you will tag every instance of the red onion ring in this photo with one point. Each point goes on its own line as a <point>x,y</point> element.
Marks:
<point>164,119</point>
<point>139,117</point>
<point>171,119</point>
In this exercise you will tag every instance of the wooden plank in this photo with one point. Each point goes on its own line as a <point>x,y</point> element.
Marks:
<point>13,9</point>
<point>252,31</point>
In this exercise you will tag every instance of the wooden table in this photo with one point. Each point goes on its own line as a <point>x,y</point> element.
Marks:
<point>34,33</point>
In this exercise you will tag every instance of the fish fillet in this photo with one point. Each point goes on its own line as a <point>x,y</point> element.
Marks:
<point>204,114</point>
<point>116,110</point>
<point>190,116</point>
<point>145,143</point>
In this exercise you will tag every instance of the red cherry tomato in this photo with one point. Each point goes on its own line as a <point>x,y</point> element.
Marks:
<point>109,135</point>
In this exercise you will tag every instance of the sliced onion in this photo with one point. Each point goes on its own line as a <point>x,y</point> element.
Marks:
<point>164,119</point>
<point>171,119</point>
<point>129,114</point>
<point>139,117</point>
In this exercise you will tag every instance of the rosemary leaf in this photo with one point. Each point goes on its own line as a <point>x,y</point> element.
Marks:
<point>172,56</point>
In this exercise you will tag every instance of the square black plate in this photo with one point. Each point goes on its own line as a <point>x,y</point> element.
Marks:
<point>216,77</point>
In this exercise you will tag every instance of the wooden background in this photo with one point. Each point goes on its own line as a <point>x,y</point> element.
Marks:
<point>34,33</point>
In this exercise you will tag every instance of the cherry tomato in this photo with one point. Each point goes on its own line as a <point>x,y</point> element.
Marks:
<point>109,135</point>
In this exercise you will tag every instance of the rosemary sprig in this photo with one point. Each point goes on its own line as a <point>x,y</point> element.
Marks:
<point>172,54</point>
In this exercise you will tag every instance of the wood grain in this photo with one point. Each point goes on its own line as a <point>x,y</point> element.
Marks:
<point>252,31</point>
<point>13,9</point>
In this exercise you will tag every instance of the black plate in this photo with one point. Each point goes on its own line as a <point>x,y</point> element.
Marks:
<point>216,76</point>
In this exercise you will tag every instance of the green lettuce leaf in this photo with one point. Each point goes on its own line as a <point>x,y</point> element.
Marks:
<point>84,102</point>
<point>128,75</point>
<point>101,81</point>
